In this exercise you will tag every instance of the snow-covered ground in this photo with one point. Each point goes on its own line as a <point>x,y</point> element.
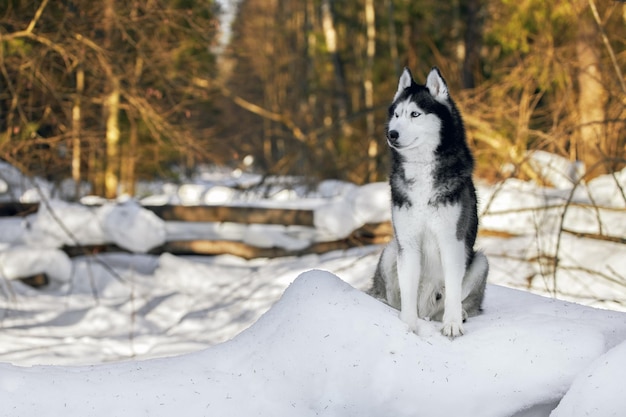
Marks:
<point>328,349</point>
<point>227,336</point>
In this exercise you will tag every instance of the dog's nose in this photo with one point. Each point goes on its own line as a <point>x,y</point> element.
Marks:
<point>393,135</point>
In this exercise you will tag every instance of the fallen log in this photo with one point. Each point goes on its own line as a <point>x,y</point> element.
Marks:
<point>234,214</point>
<point>369,234</point>
<point>243,250</point>
<point>18,209</point>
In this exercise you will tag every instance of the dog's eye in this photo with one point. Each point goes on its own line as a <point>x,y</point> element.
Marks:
<point>415,114</point>
<point>396,115</point>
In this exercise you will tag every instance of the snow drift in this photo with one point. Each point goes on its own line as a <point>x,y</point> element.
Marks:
<point>326,348</point>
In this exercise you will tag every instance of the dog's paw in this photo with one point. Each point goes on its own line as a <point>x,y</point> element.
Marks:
<point>452,329</point>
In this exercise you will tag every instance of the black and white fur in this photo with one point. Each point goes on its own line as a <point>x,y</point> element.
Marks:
<point>430,269</point>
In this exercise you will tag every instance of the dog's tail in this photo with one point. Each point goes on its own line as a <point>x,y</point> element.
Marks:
<point>474,283</point>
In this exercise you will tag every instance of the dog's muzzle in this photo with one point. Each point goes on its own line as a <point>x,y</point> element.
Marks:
<point>392,138</point>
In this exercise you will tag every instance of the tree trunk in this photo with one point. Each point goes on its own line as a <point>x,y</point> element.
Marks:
<point>111,174</point>
<point>411,59</point>
<point>330,35</point>
<point>368,87</point>
<point>129,160</point>
<point>393,38</point>
<point>111,108</point>
<point>471,43</point>
<point>76,128</point>
<point>591,146</point>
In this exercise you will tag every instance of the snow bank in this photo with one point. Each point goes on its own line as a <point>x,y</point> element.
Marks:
<point>599,389</point>
<point>521,207</point>
<point>59,223</point>
<point>555,169</point>
<point>339,208</point>
<point>609,189</point>
<point>22,261</point>
<point>131,227</point>
<point>344,214</point>
<point>125,224</point>
<point>328,349</point>
<point>13,184</point>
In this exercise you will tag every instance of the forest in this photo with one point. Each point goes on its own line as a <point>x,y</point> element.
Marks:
<point>107,93</point>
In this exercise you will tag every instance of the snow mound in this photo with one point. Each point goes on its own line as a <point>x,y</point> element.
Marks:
<point>346,213</point>
<point>609,189</point>
<point>59,223</point>
<point>125,224</point>
<point>22,261</point>
<point>557,170</point>
<point>12,182</point>
<point>326,348</point>
<point>131,227</point>
<point>599,389</point>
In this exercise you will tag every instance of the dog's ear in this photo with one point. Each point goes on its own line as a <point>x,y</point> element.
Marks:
<point>406,79</point>
<point>437,85</point>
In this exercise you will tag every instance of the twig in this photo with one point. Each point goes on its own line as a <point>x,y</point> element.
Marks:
<point>619,187</point>
<point>260,111</point>
<point>597,236</point>
<point>561,228</point>
<point>35,19</point>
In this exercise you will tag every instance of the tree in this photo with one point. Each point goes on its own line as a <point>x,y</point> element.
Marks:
<point>303,86</point>
<point>368,87</point>
<point>472,43</point>
<point>76,80</point>
<point>591,90</point>
<point>547,85</point>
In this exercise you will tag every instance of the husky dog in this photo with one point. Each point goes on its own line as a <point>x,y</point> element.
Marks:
<point>430,269</point>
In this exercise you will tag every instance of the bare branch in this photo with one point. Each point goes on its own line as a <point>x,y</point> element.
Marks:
<point>33,22</point>
<point>258,110</point>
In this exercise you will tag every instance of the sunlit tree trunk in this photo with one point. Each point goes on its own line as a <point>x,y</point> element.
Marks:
<point>128,176</point>
<point>591,95</point>
<point>111,108</point>
<point>129,159</point>
<point>111,175</point>
<point>76,128</point>
<point>330,35</point>
<point>368,87</point>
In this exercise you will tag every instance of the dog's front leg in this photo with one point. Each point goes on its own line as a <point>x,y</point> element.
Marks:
<point>409,271</point>
<point>453,265</point>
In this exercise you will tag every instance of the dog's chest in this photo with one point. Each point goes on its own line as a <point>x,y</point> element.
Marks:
<point>412,186</point>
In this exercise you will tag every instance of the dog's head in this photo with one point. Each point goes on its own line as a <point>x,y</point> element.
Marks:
<point>417,112</point>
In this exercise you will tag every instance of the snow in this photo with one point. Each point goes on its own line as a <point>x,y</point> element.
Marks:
<point>609,189</point>
<point>13,184</point>
<point>597,390</point>
<point>22,261</point>
<point>138,334</point>
<point>125,224</point>
<point>326,348</point>
<point>131,227</point>
<point>556,170</point>
<point>346,213</point>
